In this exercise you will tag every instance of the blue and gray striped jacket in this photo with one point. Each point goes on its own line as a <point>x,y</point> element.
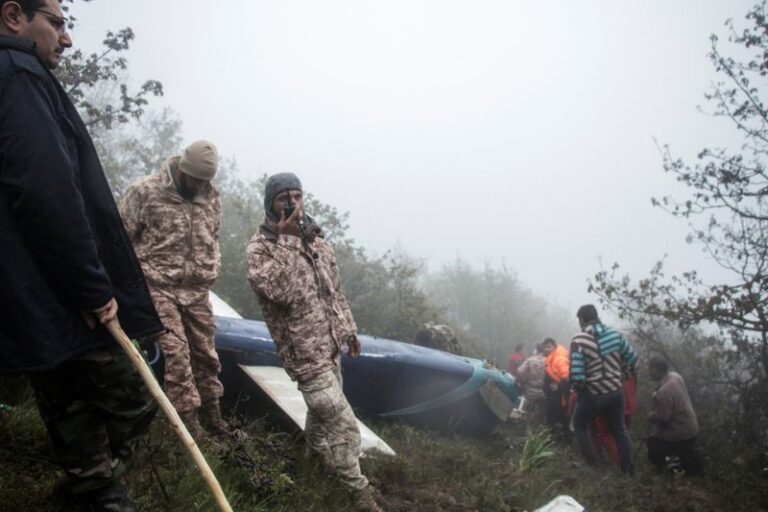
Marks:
<point>600,356</point>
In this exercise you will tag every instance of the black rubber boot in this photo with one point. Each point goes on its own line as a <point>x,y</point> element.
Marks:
<point>111,498</point>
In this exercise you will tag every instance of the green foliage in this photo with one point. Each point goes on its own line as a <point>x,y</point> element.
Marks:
<point>493,310</point>
<point>134,150</point>
<point>80,74</point>
<point>432,472</point>
<point>129,145</point>
<point>384,293</point>
<point>727,206</point>
<point>242,213</point>
<point>537,450</point>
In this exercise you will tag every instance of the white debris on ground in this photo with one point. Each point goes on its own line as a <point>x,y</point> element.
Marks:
<point>562,504</point>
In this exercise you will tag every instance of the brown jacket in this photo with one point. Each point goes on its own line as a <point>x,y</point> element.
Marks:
<point>300,294</point>
<point>672,417</point>
<point>176,240</point>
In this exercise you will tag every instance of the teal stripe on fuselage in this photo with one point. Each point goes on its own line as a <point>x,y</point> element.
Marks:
<point>480,375</point>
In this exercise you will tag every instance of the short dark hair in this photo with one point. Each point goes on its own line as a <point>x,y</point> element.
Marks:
<point>28,7</point>
<point>587,313</point>
<point>548,341</point>
<point>659,362</point>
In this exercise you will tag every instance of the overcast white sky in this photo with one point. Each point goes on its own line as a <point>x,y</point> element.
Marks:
<point>505,131</point>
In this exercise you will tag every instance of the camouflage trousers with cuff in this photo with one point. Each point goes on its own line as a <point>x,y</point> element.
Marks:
<point>332,427</point>
<point>191,362</point>
<point>93,407</point>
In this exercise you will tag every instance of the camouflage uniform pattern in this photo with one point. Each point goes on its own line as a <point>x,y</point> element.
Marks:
<point>93,407</point>
<point>531,376</point>
<point>177,243</point>
<point>331,429</point>
<point>299,291</point>
<point>438,336</point>
<point>191,362</point>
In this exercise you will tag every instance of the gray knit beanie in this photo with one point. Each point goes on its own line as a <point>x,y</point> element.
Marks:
<point>276,184</point>
<point>200,160</point>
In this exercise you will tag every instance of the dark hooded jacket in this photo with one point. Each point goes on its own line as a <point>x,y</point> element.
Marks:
<point>63,248</point>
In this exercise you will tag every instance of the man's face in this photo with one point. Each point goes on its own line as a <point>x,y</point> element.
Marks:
<point>188,186</point>
<point>281,200</point>
<point>655,372</point>
<point>548,348</point>
<point>48,31</point>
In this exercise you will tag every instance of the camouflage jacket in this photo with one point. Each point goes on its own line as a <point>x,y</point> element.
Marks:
<point>530,375</point>
<point>300,294</point>
<point>176,240</point>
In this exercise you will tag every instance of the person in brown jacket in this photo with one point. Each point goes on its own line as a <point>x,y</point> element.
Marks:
<point>530,375</point>
<point>173,219</point>
<point>674,425</point>
<point>293,272</point>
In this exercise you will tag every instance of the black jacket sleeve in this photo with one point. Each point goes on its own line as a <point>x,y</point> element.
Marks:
<point>38,169</point>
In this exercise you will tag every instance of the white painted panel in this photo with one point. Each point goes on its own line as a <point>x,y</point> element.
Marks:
<point>221,308</point>
<point>284,392</point>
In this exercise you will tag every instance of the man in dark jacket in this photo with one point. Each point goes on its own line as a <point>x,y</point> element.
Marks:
<point>66,264</point>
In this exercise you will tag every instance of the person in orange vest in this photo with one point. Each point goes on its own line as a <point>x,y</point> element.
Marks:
<point>556,387</point>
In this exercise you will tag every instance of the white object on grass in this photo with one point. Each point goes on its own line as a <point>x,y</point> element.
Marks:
<point>562,503</point>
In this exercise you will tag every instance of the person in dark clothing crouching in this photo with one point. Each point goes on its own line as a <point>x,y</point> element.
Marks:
<point>674,425</point>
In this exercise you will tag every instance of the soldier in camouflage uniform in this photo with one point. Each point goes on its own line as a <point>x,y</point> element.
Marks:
<point>438,336</point>
<point>173,220</point>
<point>293,272</point>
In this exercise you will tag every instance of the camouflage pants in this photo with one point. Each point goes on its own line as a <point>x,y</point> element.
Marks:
<point>332,426</point>
<point>191,362</point>
<point>93,406</point>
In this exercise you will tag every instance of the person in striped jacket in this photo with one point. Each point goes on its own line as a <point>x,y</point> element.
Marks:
<point>599,360</point>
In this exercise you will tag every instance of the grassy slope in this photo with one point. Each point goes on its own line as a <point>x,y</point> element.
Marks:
<point>433,472</point>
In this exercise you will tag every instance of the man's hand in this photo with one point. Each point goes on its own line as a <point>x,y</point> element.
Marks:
<point>354,345</point>
<point>102,315</point>
<point>290,226</point>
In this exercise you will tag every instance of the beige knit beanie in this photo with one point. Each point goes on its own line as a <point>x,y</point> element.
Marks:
<point>200,160</point>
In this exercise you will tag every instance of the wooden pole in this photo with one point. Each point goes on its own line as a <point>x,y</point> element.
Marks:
<point>149,379</point>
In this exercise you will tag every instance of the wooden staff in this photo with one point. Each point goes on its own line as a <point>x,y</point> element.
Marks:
<point>149,379</point>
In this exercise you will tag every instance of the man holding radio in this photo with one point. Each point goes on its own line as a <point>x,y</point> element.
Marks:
<point>293,271</point>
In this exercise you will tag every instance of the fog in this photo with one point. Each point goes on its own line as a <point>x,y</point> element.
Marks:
<point>502,132</point>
